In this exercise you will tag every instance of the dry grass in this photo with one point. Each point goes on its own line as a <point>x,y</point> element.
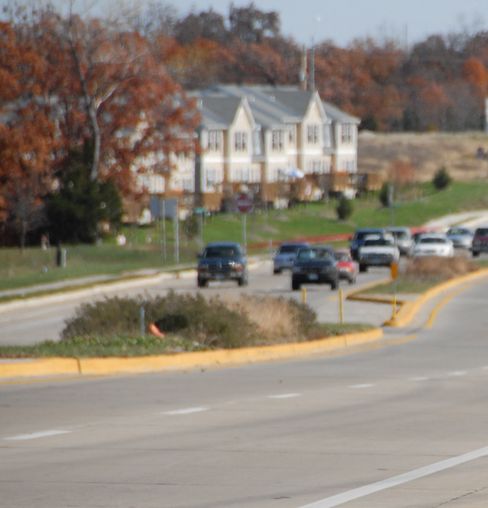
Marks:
<point>432,267</point>
<point>426,152</point>
<point>277,319</point>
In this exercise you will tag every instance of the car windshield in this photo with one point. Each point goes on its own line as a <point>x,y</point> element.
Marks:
<point>308,254</point>
<point>289,249</point>
<point>400,235</point>
<point>459,231</point>
<point>221,252</point>
<point>431,239</point>
<point>360,235</point>
<point>341,256</point>
<point>482,232</point>
<point>377,242</point>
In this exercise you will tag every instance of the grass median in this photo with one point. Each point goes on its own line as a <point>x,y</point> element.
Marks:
<point>112,327</point>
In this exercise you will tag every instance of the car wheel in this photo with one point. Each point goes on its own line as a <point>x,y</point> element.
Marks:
<point>276,271</point>
<point>242,281</point>
<point>201,283</point>
<point>475,253</point>
<point>352,280</point>
<point>295,285</point>
<point>363,268</point>
<point>334,285</point>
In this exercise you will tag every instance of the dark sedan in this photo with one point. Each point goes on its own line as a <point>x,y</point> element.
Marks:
<point>315,265</point>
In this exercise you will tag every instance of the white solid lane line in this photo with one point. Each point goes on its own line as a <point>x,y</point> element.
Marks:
<point>361,386</point>
<point>36,435</point>
<point>284,396</point>
<point>394,481</point>
<point>185,411</point>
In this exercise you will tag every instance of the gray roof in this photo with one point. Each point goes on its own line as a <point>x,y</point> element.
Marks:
<point>270,105</point>
<point>338,115</point>
<point>217,111</point>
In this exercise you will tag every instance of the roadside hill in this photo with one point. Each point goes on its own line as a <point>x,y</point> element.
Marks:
<point>427,152</point>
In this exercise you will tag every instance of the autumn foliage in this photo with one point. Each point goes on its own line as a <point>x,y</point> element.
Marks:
<point>118,87</point>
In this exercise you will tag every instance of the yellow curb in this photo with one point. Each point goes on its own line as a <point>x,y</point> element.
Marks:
<point>409,310</point>
<point>41,367</point>
<point>225,357</point>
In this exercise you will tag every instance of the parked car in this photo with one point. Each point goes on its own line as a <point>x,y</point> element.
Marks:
<point>315,265</point>
<point>461,238</point>
<point>348,268</point>
<point>222,261</point>
<point>286,254</point>
<point>378,250</point>
<point>358,239</point>
<point>433,244</point>
<point>403,239</point>
<point>480,241</point>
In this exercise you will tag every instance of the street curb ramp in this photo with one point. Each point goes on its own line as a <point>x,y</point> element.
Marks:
<point>182,361</point>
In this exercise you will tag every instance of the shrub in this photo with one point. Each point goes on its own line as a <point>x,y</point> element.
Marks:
<point>344,208</point>
<point>441,179</point>
<point>206,323</point>
<point>386,196</point>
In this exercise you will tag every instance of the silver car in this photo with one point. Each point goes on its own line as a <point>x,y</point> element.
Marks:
<point>286,254</point>
<point>403,239</point>
<point>462,238</point>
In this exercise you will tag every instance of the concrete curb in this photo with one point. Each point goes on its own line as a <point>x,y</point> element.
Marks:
<point>203,359</point>
<point>408,310</point>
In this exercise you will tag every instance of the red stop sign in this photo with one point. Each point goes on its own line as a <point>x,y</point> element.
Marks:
<point>244,203</point>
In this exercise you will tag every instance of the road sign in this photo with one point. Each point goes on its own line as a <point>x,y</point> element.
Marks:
<point>244,203</point>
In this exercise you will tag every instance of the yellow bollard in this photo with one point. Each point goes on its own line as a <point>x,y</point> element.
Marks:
<point>341,307</point>
<point>304,295</point>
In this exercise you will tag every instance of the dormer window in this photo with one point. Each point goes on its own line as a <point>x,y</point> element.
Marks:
<point>313,134</point>
<point>214,141</point>
<point>277,140</point>
<point>346,133</point>
<point>240,141</point>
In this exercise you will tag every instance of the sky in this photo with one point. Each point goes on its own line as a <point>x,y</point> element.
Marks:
<point>342,21</point>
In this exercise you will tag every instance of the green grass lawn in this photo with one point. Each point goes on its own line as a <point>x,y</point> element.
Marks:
<point>147,247</point>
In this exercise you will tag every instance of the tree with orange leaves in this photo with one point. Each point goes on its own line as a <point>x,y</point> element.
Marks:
<point>27,135</point>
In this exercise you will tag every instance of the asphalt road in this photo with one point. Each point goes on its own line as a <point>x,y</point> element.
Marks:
<point>403,425</point>
<point>44,318</point>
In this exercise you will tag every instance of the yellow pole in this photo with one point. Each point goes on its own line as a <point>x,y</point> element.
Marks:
<point>304,295</point>
<point>341,307</point>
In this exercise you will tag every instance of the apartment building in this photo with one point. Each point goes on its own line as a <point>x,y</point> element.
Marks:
<point>271,142</point>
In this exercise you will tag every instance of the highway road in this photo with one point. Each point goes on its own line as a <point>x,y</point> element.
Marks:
<point>398,425</point>
<point>28,323</point>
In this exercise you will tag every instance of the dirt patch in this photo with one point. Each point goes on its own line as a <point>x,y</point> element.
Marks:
<point>439,268</point>
<point>426,152</point>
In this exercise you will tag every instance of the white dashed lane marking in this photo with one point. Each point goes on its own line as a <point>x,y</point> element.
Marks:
<point>185,411</point>
<point>457,373</point>
<point>37,435</point>
<point>361,386</point>
<point>418,379</point>
<point>284,396</point>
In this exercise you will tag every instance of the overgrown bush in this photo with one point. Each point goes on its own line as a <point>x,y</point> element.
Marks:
<point>434,267</point>
<point>344,208</point>
<point>211,323</point>
<point>204,323</point>
<point>442,179</point>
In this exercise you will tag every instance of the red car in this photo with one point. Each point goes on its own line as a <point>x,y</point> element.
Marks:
<point>348,268</point>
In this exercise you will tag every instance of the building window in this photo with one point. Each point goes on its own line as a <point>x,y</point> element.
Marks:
<point>291,134</point>
<point>277,140</point>
<point>346,133</point>
<point>312,134</point>
<point>214,140</point>
<point>240,141</point>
